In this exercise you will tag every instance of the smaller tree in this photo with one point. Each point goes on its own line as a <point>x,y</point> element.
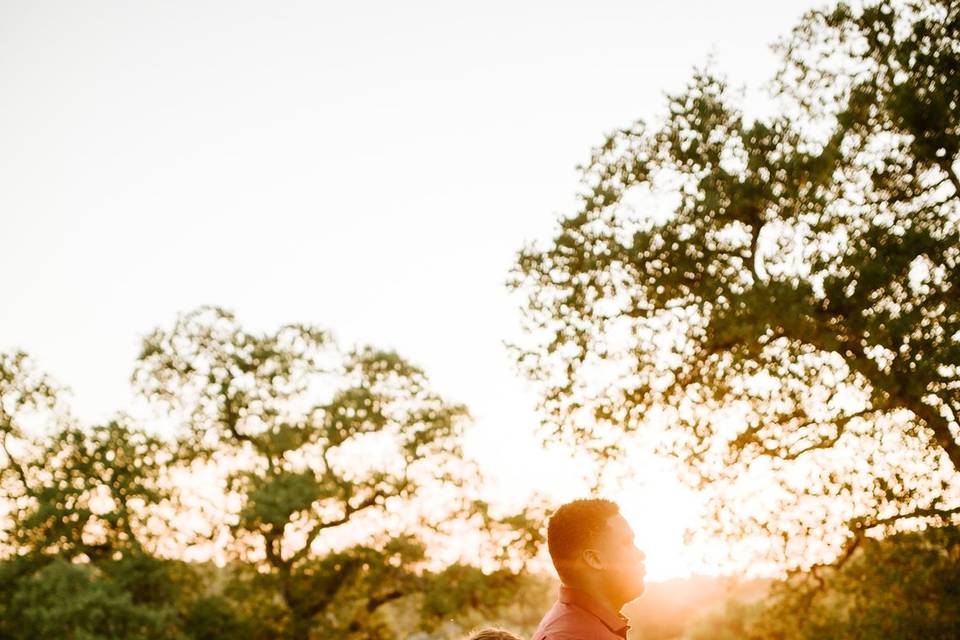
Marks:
<point>72,492</point>
<point>88,493</point>
<point>78,548</point>
<point>316,439</point>
<point>23,391</point>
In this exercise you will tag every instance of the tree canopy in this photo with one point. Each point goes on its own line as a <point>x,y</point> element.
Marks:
<point>334,473</point>
<point>783,291</point>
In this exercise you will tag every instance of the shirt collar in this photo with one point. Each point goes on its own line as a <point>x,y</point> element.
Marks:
<point>613,621</point>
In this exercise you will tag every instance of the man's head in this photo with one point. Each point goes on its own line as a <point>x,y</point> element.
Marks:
<point>592,547</point>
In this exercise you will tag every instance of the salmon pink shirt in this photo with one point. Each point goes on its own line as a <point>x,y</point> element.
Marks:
<point>577,616</point>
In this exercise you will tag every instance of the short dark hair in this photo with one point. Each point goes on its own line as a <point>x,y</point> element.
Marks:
<point>573,527</point>
<point>493,633</point>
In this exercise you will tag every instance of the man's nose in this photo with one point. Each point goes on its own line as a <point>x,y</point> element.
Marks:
<point>642,555</point>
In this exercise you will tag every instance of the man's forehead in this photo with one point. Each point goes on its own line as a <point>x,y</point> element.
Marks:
<point>618,526</point>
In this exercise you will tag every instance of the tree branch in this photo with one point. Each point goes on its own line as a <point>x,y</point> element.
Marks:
<point>231,420</point>
<point>826,443</point>
<point>845,554</point>
<point>375,603</point>
<point>859,528</point>
<point>348,513</point>
<point>13,462</point>
<point>274,556</point>
<point>937,424</point>
<point>863,524</point>
<point>852,352</point>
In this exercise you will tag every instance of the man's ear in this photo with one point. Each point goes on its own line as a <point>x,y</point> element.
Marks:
<point>591,558</point>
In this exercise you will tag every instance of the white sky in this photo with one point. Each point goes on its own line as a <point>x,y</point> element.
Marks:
<point>370,167</point>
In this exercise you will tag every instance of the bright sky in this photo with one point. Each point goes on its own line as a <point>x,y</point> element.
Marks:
<point>370,167</point>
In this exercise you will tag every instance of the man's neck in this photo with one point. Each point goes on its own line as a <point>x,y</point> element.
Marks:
<point>598,594</point>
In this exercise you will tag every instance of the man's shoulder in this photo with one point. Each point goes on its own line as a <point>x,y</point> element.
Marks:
<point>566,634</point>
<point>560,635</point>
<point>564,622</point>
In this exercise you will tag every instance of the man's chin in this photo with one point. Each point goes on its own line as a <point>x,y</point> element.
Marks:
<point>634,591</point>
<point>630,586</point>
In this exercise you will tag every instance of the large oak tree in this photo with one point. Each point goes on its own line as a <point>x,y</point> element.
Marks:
<point>782,291</point>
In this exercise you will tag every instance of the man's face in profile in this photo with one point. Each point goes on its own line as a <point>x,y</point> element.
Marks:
<point>619,559</point>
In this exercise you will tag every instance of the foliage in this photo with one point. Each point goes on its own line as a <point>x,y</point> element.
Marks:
<point>65,600</point>
<point>783,292</point>
<point>735,621</point>
<point>464,588</point>
<point>23,392</point>
<point>338,468</point>
<point>905,586</point>
<point>85,492</point>
<point>299,457</point>
<point>215,618</point>
<point>68,491</point>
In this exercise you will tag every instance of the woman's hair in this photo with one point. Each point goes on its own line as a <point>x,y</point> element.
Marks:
<point>493,633</point>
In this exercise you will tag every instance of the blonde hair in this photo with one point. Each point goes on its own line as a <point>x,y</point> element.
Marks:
<point>493,633</point>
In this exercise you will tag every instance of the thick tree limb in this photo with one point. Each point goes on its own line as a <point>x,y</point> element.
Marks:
<point>349,512</point>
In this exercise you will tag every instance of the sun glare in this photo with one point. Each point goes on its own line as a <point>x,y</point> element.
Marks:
<point>660,510</point>
<point>658,507</point>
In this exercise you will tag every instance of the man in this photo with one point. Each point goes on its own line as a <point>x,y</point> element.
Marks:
<point>600,567</point>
